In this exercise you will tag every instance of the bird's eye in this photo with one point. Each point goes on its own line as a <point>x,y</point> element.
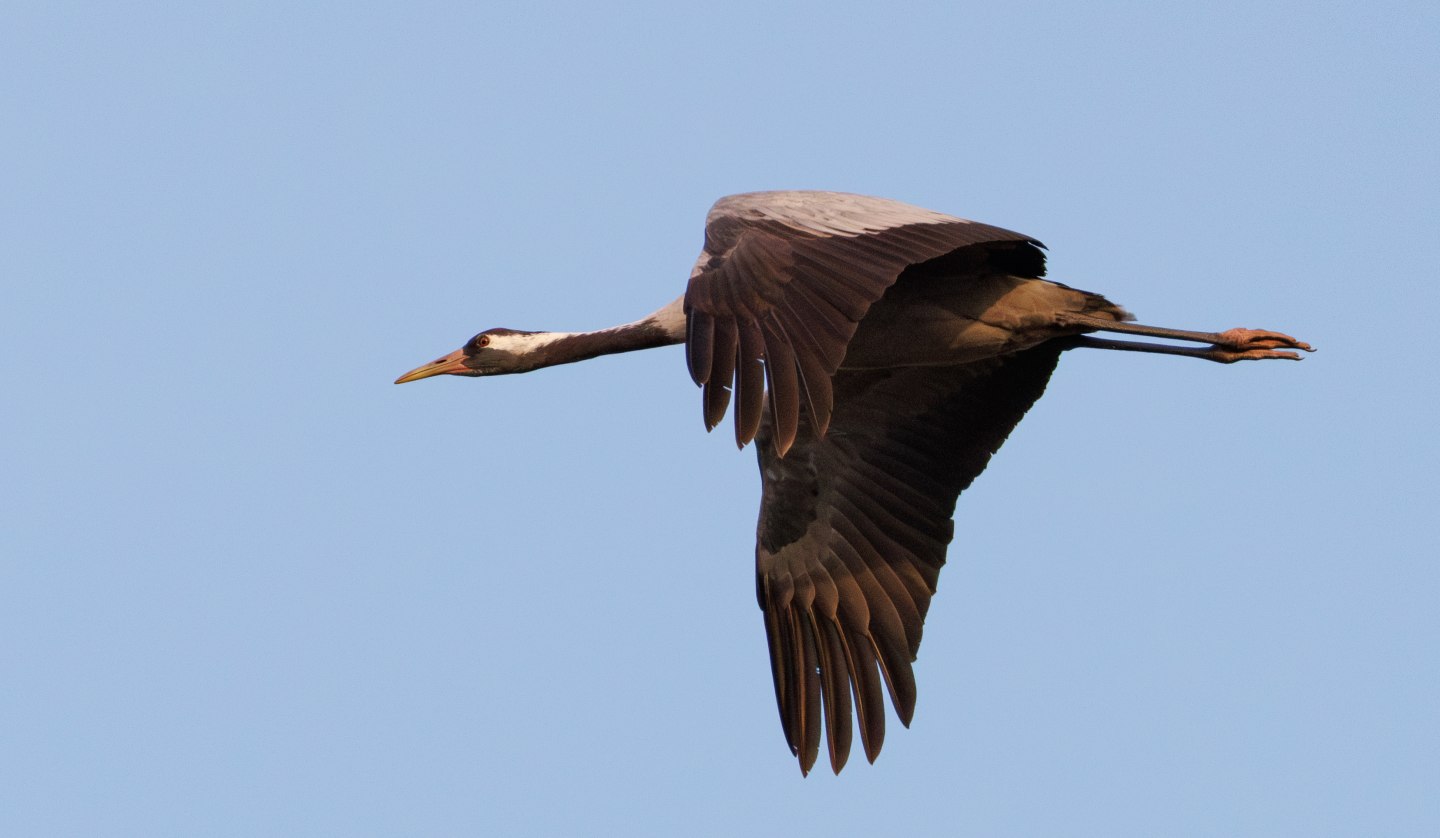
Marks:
<point>482,341</point>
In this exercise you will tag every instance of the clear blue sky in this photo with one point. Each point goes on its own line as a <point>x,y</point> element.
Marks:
<point>248,587</point>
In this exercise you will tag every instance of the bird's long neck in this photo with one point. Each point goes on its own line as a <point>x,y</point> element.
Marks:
<point>663,328</point>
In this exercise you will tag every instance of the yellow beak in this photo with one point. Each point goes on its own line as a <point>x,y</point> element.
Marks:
<point>449,365</point>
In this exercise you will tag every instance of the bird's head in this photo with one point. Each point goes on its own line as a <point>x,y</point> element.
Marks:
<point>492,352</point>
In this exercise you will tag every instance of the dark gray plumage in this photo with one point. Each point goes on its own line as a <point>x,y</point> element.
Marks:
<point>879,354</point>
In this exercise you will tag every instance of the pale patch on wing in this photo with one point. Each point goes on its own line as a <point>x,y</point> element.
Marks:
<point>826,213</point>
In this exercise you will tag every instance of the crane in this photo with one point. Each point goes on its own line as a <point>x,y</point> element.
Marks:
<point>878,354</point>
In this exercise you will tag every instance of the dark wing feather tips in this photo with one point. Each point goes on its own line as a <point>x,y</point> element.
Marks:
<point>782,282</point>
<point>853,532</point>
<point>854,523</point>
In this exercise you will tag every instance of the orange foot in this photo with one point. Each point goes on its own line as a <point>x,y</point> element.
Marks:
<point>1255,345</point>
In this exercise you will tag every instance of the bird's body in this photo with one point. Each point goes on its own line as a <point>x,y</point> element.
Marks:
<point>878,354</point>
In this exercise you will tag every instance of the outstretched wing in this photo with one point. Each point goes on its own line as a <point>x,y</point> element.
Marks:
<point>853,531</point>
<point>780,286</point>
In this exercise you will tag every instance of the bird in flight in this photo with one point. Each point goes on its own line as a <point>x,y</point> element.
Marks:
<point>878,354</point>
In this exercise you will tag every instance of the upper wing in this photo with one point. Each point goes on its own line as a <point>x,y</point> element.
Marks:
<point>780,286</point>
<point>853,530</point>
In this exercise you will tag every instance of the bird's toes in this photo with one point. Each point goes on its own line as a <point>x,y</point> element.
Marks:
<point>1245,340</point>
<point>1230,356</point>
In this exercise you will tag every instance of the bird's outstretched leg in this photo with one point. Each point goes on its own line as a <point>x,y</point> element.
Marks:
<point>1225,347</point>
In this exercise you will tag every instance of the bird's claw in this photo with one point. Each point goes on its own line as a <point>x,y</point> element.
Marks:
<point>1256,345</point>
